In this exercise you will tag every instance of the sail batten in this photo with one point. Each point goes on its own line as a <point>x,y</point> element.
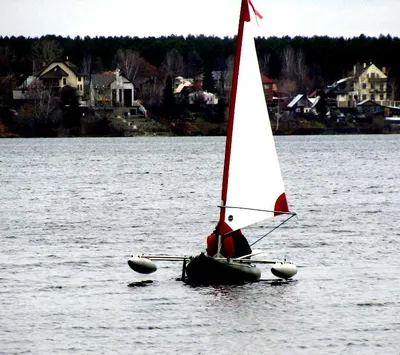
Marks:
<point>252,178</point>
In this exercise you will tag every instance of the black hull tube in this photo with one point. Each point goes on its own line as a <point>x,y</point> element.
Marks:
<point>205,270</point>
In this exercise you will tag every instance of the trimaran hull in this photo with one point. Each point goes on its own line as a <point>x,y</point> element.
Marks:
<point>205,270</point>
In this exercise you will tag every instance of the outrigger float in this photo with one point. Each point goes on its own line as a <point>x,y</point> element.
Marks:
<point>205,270</point>
<point>252,184</point>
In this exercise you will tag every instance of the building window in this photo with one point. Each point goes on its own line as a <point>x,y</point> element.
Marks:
<point>381,87</point>
<point>64,81</point>
<point>364,97</point>
<point>372,97</point>
<point>364,85</point>
<point>381,96</point>
<point>79,78</point>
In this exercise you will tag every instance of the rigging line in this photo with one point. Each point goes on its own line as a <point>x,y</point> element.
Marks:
<point>293,214</point>
<point>260,210</point>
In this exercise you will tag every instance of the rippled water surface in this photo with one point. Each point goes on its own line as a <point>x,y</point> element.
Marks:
<point>72,211</point>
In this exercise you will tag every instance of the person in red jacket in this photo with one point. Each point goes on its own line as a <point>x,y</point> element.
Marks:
<point>233,245</point>
<point>212,244</point>
<point>241,244</point>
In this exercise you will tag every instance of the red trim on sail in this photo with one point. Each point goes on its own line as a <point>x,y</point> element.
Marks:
<point>224,228</point>
<point>255,11</point>
<point>281,205</point>
<point>244,16</point>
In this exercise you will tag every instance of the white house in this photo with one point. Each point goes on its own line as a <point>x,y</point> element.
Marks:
<point>367,82</point>
<point>111,89</point>
<point>207,97</point>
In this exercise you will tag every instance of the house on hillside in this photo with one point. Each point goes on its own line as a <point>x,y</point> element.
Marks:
<point>182,83</point>
<point>301,105</point>
<point>370,83</point>
<point>191,92</point>
<point>337,93</point>
<point>269,86</point>
<point>59,73</point>
<point>19,94</point>
<point>367,82</point>
<point>201,96</point>
<point>369,107</point>
<point>54,76</point>
<point>183,88</point>
<point>111,89</point>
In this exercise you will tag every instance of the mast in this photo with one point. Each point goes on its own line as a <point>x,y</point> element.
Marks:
<point>244,16</point>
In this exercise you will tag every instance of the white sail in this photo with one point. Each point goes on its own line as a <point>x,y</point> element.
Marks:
<point>254,184</point>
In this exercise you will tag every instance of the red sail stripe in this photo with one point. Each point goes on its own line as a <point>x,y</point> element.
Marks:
<point>224,228</point>
<point>281,205</point>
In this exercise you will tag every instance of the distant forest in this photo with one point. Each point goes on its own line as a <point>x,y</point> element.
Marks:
<point>323,60</point>
<point>298,65</point>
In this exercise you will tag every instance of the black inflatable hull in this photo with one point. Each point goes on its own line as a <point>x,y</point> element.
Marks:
<point>205,270</point>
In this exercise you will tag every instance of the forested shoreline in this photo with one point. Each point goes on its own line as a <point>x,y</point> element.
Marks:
<point>326,57</point>
<point>298,64</point>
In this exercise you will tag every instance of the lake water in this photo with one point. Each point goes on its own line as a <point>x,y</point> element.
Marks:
<point>72,211</point>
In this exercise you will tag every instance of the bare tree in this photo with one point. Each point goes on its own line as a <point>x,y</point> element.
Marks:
<point>264,63</point>
<point>287,87</point>
<point>86,64</point>
<point>6,87</point>
<point>295,73</point>
<point>173,64</point>
<point>129,62</point>
<point>152,92</point>
<point>392,83</point>
<point>8,54</point>
<point>97,65</point>
<point>194,65</point>
<point>288,63</point>
<point>45,51</point>
<point>152,86</point>
<point>41,102</point>
<point>302,76</point>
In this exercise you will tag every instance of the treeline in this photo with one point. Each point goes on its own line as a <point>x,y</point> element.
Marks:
<point>299,64</point>
<point>326,59</point>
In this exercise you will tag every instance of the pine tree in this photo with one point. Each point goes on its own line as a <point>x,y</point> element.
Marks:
<point>208,81</point>
<point>168,104</point>
<point>70,107</point>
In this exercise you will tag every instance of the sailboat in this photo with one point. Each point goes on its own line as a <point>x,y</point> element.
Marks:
<point>252,184</point>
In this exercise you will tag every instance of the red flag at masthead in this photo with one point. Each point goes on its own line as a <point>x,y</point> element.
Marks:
<point>255,11</point>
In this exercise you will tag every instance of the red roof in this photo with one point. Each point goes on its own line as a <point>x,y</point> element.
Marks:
<point>266,80</point>
<point>313,94</point>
